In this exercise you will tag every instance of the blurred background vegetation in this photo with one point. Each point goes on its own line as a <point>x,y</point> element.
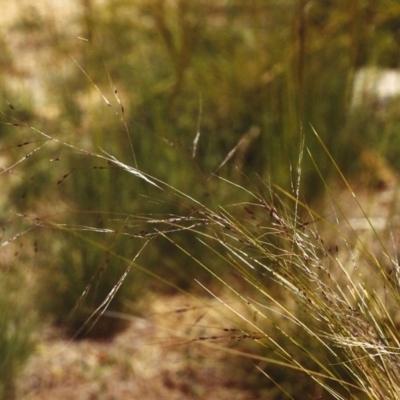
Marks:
<point>255,74</point>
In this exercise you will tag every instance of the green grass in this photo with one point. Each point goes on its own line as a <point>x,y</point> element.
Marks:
<point>17,325</point>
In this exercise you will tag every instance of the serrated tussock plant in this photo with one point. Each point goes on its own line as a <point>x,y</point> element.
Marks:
<point>328,311</point>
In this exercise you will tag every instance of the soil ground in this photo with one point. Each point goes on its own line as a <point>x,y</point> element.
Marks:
<point>158,357</point>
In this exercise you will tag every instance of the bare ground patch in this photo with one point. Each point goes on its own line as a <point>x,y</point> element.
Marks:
<point>161,356</point>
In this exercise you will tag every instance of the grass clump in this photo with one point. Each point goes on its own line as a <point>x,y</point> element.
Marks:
<point>325,312</point>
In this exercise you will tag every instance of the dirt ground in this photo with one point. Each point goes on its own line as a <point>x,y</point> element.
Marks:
<point>157,357</point>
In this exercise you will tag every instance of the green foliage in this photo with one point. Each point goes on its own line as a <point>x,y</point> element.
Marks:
<point>279,66</point>
<point>16,334</point>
